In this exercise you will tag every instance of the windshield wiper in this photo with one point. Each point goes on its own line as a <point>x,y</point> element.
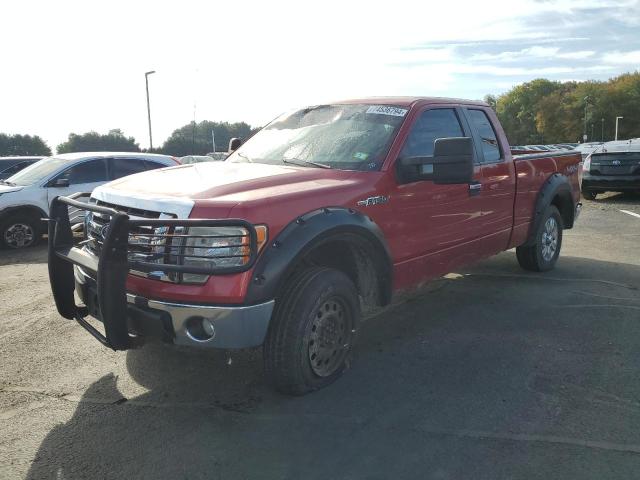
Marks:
<point>300,162</point>
<point>4,182</point>
<point>245,157</point>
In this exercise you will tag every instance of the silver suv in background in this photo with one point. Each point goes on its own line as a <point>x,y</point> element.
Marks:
<point>25,197</point>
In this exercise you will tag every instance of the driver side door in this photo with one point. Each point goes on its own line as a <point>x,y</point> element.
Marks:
<point>436,225</point>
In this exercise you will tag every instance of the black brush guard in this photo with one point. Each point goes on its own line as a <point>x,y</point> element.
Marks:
<point>112,266</point>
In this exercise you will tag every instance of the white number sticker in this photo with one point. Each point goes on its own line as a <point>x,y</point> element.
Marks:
<point>387,110</point>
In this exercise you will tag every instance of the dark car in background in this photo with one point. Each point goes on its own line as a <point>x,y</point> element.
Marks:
<point>12,165</point>
<point>614,167</point>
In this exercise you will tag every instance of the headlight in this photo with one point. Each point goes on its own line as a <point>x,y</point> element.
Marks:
<point>586,166</point>
<point>212,247</point>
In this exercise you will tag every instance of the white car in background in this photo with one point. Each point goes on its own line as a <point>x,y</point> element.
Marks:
<point>26,196</point>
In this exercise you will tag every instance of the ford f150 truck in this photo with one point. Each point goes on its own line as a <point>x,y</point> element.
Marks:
<point>325,210</point>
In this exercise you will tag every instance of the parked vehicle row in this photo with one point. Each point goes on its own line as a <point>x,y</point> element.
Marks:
<point>325,209</point>
<point>520,149</point>
<point>25,197</point>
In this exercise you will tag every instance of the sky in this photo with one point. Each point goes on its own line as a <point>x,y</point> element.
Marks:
<point>72,66</point>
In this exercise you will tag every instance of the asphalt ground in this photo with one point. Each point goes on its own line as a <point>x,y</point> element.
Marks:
<point>489,373</point>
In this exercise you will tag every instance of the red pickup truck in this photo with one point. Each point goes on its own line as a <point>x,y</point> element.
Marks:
<point>325,210</point>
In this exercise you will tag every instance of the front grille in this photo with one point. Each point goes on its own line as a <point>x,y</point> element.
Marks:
<point>170,249</point>
<point>616,163</point>
<point>145,244</point>
<point>97,223</point>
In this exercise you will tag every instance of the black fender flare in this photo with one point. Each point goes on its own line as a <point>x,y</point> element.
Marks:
<point>32,209</point>
<point>556,184</point>
<point>284,253</point>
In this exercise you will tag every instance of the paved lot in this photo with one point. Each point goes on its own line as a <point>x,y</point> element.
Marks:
<point>490,373</point>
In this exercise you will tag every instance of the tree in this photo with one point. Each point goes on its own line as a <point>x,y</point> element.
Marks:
<point>33,145</point>
<point>196,139</point>
<point>542,111</point>
<point>492,100</point>
<point>114,141</point>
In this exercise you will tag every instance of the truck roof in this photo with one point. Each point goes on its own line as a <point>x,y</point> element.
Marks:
<point>410,101</point>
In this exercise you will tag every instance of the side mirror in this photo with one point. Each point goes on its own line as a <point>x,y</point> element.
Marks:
<point>234,144</point>
<point>60,183</point>
<point>451,163</point>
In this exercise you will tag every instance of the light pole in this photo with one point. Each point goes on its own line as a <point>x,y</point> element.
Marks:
<point>602,131</point>
<point>617,118</point>
<point>146,81</point>
<point>586,104</point>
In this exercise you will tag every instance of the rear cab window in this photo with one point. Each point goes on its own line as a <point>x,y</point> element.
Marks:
<point>486,135</point>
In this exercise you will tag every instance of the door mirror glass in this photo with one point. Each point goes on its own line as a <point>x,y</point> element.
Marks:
<point>60,183</point>
<point>451,163</point>
<point>234,144</point>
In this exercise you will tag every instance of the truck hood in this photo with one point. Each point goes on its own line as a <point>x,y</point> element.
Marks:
<point>224,181</point>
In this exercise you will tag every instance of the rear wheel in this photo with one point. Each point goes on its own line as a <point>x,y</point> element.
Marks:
<point>589,194</point>
<point>20,231</point>
<point>312,331</point>
<point>543,254</point>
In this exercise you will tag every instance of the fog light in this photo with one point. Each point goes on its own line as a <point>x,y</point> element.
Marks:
<point>200,329</point>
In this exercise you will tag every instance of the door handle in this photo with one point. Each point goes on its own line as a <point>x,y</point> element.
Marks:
<point>475,188</point>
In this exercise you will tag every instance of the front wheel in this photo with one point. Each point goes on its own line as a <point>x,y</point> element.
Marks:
<point>589,194</point>
<point>20,231</point>
<point>543,254</point>
<point>312,332</point>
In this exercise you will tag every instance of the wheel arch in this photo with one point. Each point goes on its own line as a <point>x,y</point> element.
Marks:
<point>556,191</point>
<point>29,210</point>
<point>334,237</point>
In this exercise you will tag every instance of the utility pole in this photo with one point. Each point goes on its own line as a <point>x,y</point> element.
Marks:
<point>213,140</point>
<point>592,132</point>
<point>602,132</point>
<point>586,104</point>
<point>146,81</point>
<point>617,118</point>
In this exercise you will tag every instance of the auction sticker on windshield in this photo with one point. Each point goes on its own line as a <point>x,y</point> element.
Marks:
<point>387,110</point>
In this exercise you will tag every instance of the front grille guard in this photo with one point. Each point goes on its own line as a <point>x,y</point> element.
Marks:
<point>112,265</point>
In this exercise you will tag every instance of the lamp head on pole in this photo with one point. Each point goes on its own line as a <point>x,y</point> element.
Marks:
<point>149,73</point>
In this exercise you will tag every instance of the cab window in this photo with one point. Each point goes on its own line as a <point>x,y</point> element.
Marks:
<point>488,137</point>
<point>432,124</point>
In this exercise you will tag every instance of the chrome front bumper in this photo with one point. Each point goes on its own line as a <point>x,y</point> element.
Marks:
<point>234,326</point>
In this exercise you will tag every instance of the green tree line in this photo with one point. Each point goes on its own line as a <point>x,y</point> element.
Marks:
<point>536,112</point>
<point>544,111</point>
<point>191,139</point>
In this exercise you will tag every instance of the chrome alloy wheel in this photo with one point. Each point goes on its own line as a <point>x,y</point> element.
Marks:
<point>330,338</point>
<point>19,235</point>
<point>549,239</point>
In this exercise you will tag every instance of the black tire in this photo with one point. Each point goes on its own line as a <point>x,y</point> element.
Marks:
<point>589,194</point>
<point>536,257</point>
<point>318,313</point>
<point>20,231</point>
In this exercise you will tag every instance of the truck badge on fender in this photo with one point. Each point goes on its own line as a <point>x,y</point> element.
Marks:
<point>367,202</point>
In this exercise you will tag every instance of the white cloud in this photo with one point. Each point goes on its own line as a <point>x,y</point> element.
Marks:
<point>625,58</point>
<point>82,64</point>
<point>578,55</point>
